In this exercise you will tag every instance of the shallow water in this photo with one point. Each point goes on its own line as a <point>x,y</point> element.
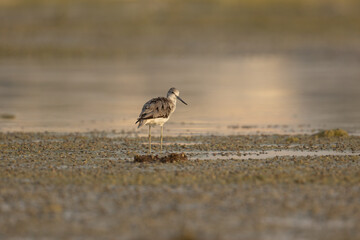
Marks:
<point>226,95</point>
<point>268,154</point>
<point>254,154</point>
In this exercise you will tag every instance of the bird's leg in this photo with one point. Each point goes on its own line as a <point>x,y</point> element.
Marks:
<point>150,139</point>
<point>161,138</point>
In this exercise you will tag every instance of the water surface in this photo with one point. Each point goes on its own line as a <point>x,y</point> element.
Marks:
<point>226,95</point>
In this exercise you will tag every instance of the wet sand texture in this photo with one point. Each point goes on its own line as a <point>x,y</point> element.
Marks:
<point>88,186</point>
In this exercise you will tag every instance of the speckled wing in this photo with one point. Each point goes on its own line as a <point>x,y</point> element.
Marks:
<point>156,108</point>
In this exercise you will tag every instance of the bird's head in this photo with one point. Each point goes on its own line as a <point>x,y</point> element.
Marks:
<point>174,92</point>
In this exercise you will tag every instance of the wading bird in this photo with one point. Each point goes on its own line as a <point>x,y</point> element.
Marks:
<point>157,111</point>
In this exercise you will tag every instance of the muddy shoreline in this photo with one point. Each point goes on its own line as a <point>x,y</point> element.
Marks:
<point>86,186</point>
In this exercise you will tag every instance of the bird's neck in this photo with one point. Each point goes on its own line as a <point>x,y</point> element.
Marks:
<point>172,98</point>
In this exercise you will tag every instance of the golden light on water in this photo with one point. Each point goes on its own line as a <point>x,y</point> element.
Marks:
<point>253,89</point>
<point>87,65</point>
<point>257,90</point>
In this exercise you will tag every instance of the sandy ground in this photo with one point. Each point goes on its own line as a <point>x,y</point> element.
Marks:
<point>87,186</point>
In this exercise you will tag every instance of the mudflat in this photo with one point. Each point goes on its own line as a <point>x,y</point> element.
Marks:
<point>87,186</point>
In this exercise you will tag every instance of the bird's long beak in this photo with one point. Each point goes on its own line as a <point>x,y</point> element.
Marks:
<point>181,100</point>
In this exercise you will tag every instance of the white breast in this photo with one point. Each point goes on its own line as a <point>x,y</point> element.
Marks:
<point>156,121</point>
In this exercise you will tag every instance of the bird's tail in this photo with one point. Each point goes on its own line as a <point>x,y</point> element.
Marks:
<point>141,122</point>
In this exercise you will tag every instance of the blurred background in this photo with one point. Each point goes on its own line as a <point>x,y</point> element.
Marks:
<point>250,66</point>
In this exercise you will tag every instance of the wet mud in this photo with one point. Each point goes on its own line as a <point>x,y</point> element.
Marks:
<point>170,158</point>
<point>90,186</point>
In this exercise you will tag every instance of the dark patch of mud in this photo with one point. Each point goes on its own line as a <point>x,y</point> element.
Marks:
<point>172,157</point>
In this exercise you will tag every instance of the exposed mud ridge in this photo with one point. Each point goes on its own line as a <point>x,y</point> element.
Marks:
<point>172,157</point>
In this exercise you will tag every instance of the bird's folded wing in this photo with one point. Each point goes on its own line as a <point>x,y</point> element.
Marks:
<point>156,108</point>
